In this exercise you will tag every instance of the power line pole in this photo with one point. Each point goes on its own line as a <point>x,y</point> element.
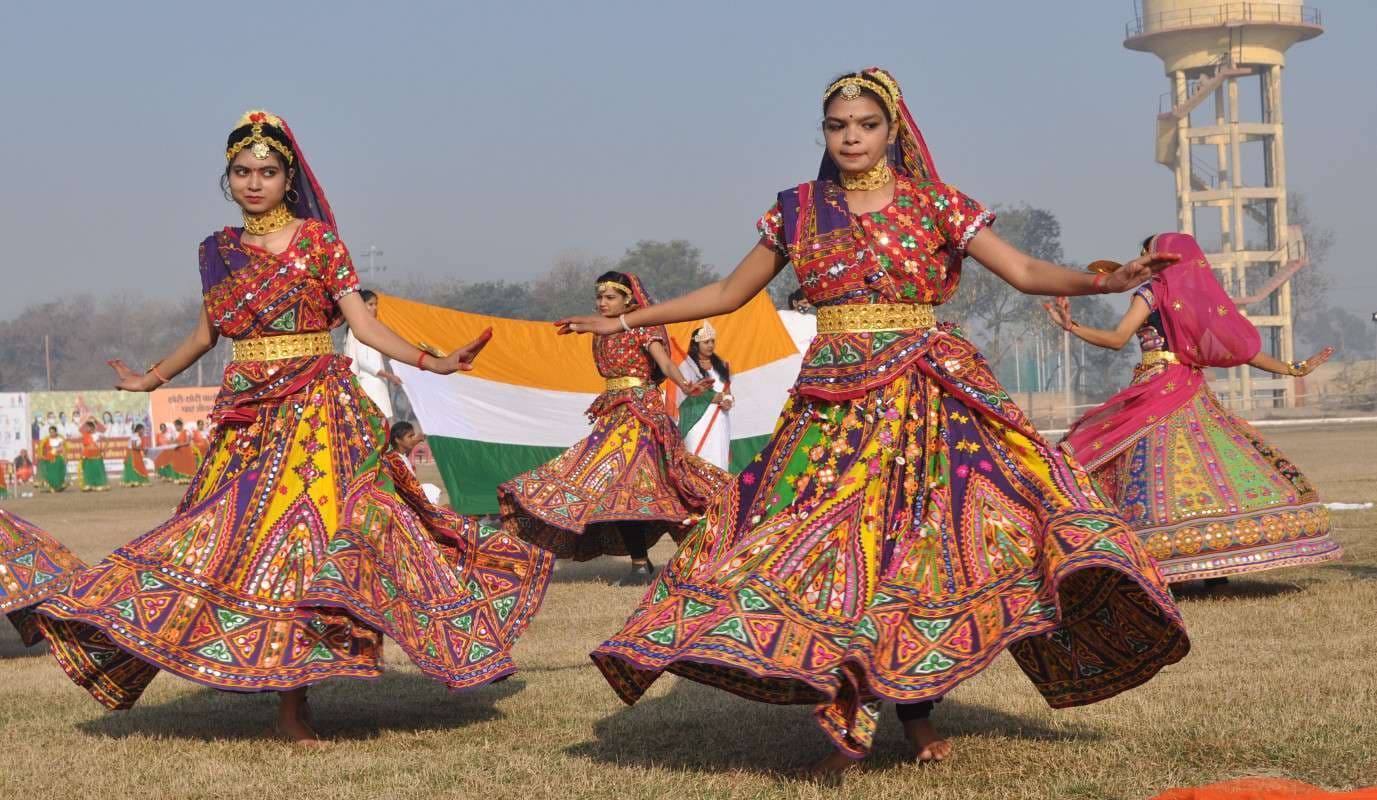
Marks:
<point>373,268</point>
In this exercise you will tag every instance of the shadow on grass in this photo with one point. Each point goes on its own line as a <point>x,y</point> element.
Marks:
<point>343,710</point>
<point>1362,572</point>
<point>11,646</point>
<point>1235,589</point>
<point>697,728</point>
<point>606,569</point>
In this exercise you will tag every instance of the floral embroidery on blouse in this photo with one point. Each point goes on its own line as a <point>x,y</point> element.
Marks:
<point>908,252</point>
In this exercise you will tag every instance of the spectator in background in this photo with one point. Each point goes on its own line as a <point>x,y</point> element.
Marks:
<point>23,474</point>
<point>799,321</point>
<point>368,365</point>
<point>52,461</point>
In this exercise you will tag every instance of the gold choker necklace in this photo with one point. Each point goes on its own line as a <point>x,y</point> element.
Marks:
<point>270,221</point>
<point>876,177</point>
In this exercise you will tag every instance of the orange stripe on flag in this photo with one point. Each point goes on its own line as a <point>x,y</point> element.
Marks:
<point>532,354</point>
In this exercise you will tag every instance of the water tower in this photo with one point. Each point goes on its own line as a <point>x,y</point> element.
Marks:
<point>1219,129</point>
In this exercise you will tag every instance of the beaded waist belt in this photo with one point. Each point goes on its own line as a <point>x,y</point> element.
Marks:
<point>1154,357</point>
<point>629,382</point>
<point>875,317</point>
<point>276,348</point>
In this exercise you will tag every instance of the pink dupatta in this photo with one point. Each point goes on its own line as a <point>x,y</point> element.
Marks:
<point>1204,329</point>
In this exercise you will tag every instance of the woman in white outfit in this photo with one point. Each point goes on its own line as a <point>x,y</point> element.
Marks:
<point>368,365</point>
<point>705,418</point>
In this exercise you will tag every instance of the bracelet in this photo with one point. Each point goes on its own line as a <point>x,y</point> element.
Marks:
<point>1097,282</point>
<point>154,369</point>
<point>421,361</point>
<point>625,327</point>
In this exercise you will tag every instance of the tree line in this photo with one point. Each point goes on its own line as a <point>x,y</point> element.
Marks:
<point>81,333</point>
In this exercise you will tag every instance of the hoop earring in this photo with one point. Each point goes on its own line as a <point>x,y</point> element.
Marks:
<point>292,196</point>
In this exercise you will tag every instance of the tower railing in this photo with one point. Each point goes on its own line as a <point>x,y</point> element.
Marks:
<point>1221,14</point>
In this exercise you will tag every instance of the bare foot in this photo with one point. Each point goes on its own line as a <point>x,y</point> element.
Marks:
<point>294,731</point>
<point>831,769</point>
<point>927,745</point>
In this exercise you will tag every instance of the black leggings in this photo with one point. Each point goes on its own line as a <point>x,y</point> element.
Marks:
<point>633,537</point>
<point>911,711</point>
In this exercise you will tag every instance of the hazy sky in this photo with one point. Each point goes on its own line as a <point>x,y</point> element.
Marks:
<point>484,140</point>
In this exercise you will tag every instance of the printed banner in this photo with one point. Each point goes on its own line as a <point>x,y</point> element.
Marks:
<point>190,405</point>
<point>116,413</point>
<point>15,427</point>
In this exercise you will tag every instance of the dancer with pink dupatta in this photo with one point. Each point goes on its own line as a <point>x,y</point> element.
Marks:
<point>1208,496</point>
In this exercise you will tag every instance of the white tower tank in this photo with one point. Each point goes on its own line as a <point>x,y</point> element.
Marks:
<point>1220,130</point>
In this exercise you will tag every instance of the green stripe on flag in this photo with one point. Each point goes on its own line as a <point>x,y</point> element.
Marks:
<point>743,450</point>
<point>472,470</point>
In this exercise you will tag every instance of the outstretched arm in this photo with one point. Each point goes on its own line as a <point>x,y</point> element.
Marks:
<point>1137,314</point>
<point>1297,370</point>
<point>200,342</point>
<point>372,332</point>
<point>719,297</point>
<point>1035,276</point>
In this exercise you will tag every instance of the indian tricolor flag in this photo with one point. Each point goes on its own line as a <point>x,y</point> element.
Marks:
<point>523,404</point>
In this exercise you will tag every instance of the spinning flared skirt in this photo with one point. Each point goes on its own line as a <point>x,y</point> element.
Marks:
<point>632,469</point>
<point>53,474</point>
<point>177,464</point>
<point>210,595</point>
<point>453,593</point>
<point>1209,497</point>
<point>135,471</point>
<point>93,475</point>
<point>889,547</point>
<point>33,567</point>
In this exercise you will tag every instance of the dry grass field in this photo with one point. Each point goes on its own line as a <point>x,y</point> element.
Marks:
<point>1280,681</point>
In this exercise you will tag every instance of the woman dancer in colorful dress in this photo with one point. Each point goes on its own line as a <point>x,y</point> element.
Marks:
<point>52,461</point>
<point>178,463</point>
<point>905,524</point>
<point>630,481</point>
<point>135,470</point>
<point>1206,494</point>
<point>33,567</point>
<point>93,475</point>
<point>705,418</point>
<point>210,595</point>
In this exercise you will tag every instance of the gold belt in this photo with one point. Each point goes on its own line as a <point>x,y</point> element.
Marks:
<point>628,382</point>
<point>276,348</point>
<point>875,317</point>
<point>1155,357</point>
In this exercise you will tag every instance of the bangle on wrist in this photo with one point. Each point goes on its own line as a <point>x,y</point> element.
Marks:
<point>421,361</point>
<point>625,327</point>
<point>154,369</point>
<point>1097,283</point>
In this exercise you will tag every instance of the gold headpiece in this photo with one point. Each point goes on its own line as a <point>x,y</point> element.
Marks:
<point>621,287</point>
<point>257,143</point>
<point>882,85</point>
<point>706,333</point>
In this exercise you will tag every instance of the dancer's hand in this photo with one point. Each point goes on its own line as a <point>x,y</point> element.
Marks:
<point>1060,312</point>
<point>1302,368</point>
<point>461,360</point>
<point>698,387</point>
<point>1138,271</point>
<point>127,380</point>
<point>589,324</point>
